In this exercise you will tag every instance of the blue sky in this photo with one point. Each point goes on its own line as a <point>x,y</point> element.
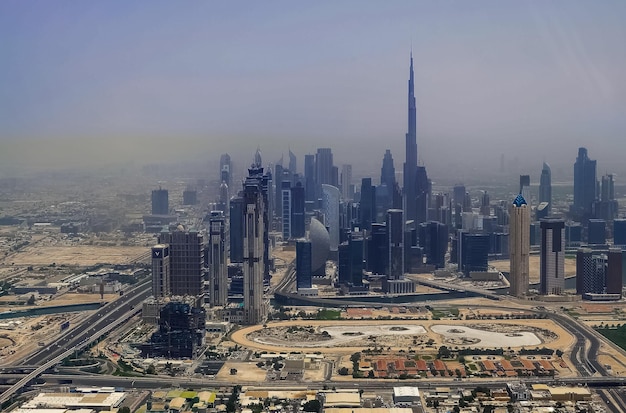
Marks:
<point>206,77</point>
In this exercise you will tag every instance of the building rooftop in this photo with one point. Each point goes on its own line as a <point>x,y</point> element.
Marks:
<point>519,201</point>
<point>406,391</point>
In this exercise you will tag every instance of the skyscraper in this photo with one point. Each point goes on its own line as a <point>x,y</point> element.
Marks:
<point>367,205</point>
<point>590,272</point>
<point>614,271</point>
<point>226,169</point>
<point>303,264</point>
<point>330,209</point>
<point>297,211</point>
<point>410,164</point>
<point>346,183</point>
<point>292,163</point>
<point>236,230</point>
<point>254,249</point>
<point>584,183</point>
<point>160,271</point>
<point>186,261</point>
<point>552,258</point>
<point>218,274</point>
<point>519,243</point>
<point>473,252</point>
<point>433,238</point>
<point>309,177</point>
<point>388,171</point>
<point>545,187</point>
<point>278,189</point>
<point>160,202</point>
<point>395,233</point>
<point>323,169</point>
<point>285,207</point>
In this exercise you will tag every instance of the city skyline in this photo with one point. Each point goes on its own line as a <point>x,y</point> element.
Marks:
<point>82,80</point>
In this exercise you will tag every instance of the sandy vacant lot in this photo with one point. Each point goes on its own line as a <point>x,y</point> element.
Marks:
<point>81,255</point>
<point>504,265</point>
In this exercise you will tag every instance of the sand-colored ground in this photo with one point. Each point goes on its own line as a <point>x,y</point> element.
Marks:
<point>617,367</point>
<point>81,255</point>
<point>504,265</point>
<point>65,299</point>
<point>245,372</point>
<point>563,339</point>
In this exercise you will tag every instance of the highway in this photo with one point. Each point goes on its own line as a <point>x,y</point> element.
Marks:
<point>93,327</point>
<point>366,384</point>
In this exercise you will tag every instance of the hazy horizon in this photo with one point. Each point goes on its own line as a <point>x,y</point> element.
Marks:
<point>94,84</point>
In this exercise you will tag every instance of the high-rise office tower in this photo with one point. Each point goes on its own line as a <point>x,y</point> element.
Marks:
<point>347,190</point>
<point>278,188</point>
<point>384,192</point>
<point>254,227</point>
<point>304,274</point>
<point>552,258</point>
<point>410,164</point>
<point>160,202</point>
<point>590,272</point>
<point>292,162</point>
<point>356,258</point>
<point>297,211</point>
<point>485,207</point>
<point>236,229</point>
<point>519,247</point>
<point>323,169</point>
<point>377,261</point>
<point>190,196</point>
<point>218,274</point>
<point>606,207</point>
<point>160,271</point>
<point>619,232</point>
<point>388,171</point>
<point>309,178</point>
<point>226,169</point>
<point>473,252</point>
<point>285,206</point>
<point>433,238</point>
<point>330,209</point>
<point>186,261</point>
<point>223,204</point>
<point>607,188</point>
<point>596,231</point>
<point>395,233</point>
<point>545,188</point>
<point>584,183</point>
<point>458,200</point>
<point>367,205</point>
<point>614,271</point>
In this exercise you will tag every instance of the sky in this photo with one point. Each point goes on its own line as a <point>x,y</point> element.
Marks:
<point>96,82</point>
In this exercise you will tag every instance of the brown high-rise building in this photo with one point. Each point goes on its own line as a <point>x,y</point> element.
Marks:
<point>186,261</point>
<point>519,247</point>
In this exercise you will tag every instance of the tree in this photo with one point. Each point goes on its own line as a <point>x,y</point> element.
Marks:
<point>151,370</point>
<point>124,409</point>
<point>313,406</point>
<point>343,371</point>
<point>31,300</point>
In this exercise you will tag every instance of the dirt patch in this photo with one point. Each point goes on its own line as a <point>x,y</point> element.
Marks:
<point>80,255</point>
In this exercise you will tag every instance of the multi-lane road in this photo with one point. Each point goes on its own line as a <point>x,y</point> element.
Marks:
<point>101,322</point>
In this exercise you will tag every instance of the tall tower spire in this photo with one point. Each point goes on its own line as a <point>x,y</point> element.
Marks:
<point>410,165</point>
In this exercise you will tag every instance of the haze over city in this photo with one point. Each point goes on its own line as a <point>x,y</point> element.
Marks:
<point>105,83</point>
